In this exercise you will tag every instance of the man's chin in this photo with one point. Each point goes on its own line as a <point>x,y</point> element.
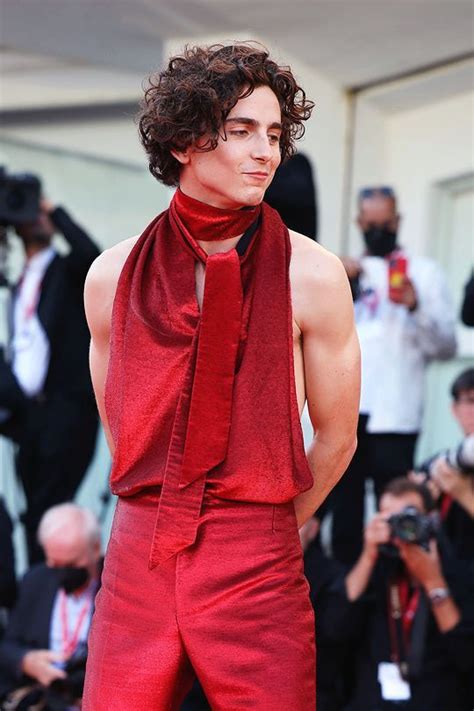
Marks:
<point>40,240</point>
<point>253,198</point>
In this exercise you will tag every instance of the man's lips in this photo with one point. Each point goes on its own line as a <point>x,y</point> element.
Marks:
<point>257,174</point>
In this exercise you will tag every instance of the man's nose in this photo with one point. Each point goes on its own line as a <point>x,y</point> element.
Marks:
<point>261,149</point>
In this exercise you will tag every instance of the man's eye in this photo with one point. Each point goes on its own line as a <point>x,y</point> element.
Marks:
<point>239,132</point>
<point>273,138</point>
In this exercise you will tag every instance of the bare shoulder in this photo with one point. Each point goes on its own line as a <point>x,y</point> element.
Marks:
<point>101,284</point>
<point>106,268</point>
<point>319,284</point>
<point>312,263</point>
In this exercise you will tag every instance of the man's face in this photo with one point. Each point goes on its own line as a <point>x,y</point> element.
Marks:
<point>463,411</point>
<point>71,550</point>
<point>390,504</point>
<point>378,211</point>
<point>40,230</point>
<point>242,166</point>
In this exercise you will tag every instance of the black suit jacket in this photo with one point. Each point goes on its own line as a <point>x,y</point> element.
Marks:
<point>442,681</point>
<point>61,312</point>
<point>467,308</point>
<point>338,622</point>
<point>7,560</point>
<point>29,624</point>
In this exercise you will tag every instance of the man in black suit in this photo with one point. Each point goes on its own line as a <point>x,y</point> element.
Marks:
<point>417,649</point>
<point>46,398</point>
<point>7,562</point>
<point>338,621</point>
<point>51,619</point>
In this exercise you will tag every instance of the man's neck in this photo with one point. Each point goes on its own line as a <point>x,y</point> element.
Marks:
<point>219,246</point>
<point>198,193</point>
<point>32,249</point>
<point>88,584</point>
<point>202,196</point>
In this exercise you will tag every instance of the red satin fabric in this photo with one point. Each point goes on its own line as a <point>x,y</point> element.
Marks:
<point>208,223</point>
<point>234,608</point>
<point>202,408</point>
<point>155,338</point>
<point>205,406</point>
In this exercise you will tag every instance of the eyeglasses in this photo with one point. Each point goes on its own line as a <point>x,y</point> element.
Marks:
<point>384,190</point>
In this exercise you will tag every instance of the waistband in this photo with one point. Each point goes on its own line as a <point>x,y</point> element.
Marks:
<point>151,494</point>
<point>280,516</point>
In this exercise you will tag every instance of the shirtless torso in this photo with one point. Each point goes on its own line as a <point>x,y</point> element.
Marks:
<point>324,340</point>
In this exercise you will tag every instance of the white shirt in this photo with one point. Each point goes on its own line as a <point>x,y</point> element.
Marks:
<point>397,345</point>
<point>76,621</point>
<point>30,345</point>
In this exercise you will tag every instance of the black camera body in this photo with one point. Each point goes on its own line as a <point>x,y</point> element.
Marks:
<point>411,526</point>
<point>62,693</point>
<point>19,197</point>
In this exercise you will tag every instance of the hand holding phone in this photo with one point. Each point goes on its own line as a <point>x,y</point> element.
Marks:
<point>400,288</point>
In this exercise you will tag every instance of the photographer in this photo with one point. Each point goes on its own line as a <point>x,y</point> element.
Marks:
<point>44,647</point>
<point>405,320</point>
<point>417,652</point>
<point>467,307</point>
<point>338,620</point>
<point>46,396</point>
<point>7,564</point>
<point>450,475</point>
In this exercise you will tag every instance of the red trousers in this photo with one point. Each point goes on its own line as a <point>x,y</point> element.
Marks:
<point>232,608</point>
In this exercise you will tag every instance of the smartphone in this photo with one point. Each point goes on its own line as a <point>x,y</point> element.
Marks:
<point>397,273</point>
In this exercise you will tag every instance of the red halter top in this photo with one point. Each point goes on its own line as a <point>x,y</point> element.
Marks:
<point>204,398</point>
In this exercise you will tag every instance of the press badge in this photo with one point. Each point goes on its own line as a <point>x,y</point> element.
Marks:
<point>394,688</point>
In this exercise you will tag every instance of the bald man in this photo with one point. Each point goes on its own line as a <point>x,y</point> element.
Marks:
<point>50,622</point>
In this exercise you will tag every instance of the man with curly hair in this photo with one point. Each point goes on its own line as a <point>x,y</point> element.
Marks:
<point>209,333</point>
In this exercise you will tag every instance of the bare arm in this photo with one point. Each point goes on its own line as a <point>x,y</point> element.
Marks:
<point>98,301</point>
<point>331,370</point>
<point>376,532</point>
<point>425,566</point>
<point>99,294</point>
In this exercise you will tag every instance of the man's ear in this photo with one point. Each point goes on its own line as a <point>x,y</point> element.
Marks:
<point>454,410</point>
<point>181,156</point>
<point>96,550</point>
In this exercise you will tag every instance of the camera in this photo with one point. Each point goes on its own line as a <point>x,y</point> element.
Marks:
<point>62,693</point>
<point>411,526</point>
<point>462,457</point>
<point>19,197</point>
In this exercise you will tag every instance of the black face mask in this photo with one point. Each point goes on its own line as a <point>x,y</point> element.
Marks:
<point>71,578</point>
<point>380,240</point>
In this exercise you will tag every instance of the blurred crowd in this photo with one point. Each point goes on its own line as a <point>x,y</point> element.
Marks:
<point>393,592</point>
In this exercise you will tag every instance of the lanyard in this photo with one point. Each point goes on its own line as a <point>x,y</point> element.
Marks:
<point>446,503</point>
<point>402,610</point>
<point>70,640</point>
<point>30,308</point>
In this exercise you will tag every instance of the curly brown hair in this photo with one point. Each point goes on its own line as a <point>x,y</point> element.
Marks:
<point>193,96</point>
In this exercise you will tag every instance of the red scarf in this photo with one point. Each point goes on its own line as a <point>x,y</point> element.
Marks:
<point>204,399</point>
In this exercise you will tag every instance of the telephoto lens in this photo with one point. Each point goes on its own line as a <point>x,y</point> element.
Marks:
<point>462,457</point>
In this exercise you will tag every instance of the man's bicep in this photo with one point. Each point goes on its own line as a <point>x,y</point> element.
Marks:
<point>332,360</point>
<point>98,361</point>
<point>332,382</point>
<point>98,313</point>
